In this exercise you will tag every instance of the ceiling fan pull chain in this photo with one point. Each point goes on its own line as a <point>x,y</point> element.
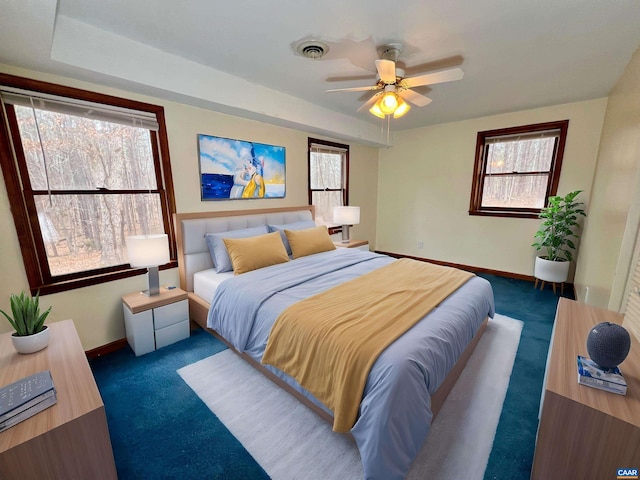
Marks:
<point>388,127</point>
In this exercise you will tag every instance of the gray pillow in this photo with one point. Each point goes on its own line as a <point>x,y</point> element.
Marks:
<point>299,225</point>
<point>218,250</point>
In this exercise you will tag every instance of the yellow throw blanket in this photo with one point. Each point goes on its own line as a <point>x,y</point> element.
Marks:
<point>330,341</point>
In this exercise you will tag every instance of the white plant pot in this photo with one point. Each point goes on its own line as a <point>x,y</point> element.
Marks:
<point>31,343</point>
<point>551,271</point>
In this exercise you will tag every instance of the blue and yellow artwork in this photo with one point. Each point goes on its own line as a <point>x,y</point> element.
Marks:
<point>236,169</point>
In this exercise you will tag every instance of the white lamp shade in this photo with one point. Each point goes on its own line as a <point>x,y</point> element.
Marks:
<point>148,250</point>
<point>346,215</point>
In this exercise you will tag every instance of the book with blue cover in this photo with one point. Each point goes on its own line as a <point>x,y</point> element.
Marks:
<point>608,379</point>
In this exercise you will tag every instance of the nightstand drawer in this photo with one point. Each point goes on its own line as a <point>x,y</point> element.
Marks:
<point>171,334</point>
<point>139,328</point>
<point>170,314</point>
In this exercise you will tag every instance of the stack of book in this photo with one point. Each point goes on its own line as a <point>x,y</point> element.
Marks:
<point>608,379</point>
<point>26,397</point>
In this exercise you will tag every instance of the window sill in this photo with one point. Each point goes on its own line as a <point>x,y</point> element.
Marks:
<point>64,286</point>
<point>505,213</point>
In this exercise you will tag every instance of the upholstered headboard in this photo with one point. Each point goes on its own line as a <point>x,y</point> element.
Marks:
<point>193,254</point>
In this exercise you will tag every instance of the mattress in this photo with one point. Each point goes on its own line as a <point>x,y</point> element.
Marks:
<point>206,282</point>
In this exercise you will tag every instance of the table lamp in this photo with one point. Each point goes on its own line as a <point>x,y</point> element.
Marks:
<point>346,216</point>
<point>149,251</point>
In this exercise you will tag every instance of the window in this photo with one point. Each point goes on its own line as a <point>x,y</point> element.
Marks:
<point>328,179</point>
<point>517,169</point>
<point>83,171</point>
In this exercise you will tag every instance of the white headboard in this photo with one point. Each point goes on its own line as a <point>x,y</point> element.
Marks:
<point>193,254</point>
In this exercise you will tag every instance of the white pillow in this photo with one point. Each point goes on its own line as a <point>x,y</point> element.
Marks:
<point>218,250</point>
<point>299,225</point>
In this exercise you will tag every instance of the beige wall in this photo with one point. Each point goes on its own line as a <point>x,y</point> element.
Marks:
<point>415,191</point>
<point>611,229</point>
<point>424,187</point>
<point>97,310</point>
<point>184,123</point>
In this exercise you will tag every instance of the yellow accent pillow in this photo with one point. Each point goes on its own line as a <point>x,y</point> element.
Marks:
<point>309,241</point>
<point>255,252</point>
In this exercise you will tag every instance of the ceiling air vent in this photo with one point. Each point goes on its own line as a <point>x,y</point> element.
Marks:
<point>312,49</point>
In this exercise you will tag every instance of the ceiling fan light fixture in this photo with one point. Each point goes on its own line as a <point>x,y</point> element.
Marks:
<point>389,103</point>
<point>375,110</point>
<point>394,88</point>
<point>403,107</point>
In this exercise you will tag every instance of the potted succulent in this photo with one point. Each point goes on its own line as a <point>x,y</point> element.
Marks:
<point>557,234</point>
<point>30,334</point>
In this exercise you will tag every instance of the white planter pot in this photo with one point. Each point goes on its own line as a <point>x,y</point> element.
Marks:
<point>31,343</point>
<point>551,271</point>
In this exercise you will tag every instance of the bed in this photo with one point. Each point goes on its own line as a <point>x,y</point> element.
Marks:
<point>409,381</point>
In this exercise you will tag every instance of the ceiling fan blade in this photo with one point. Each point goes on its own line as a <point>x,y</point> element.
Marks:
<point>415,98</point>
<point>354,89</point>
<point>434,66</point>
<point>370,102</point>
<point>431,78</point>
<point>386,71</point>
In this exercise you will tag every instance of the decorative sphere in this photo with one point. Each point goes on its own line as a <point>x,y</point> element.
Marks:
<point>608,344</point>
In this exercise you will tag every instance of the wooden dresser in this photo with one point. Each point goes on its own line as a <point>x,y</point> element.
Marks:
<point>69,440</point>
<point>585,432</point>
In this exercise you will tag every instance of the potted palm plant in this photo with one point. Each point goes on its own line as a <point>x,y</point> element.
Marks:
<point>31,334</point>
<point>556,234</point>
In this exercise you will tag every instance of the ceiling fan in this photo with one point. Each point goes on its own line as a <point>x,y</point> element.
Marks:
<point>394,89</point>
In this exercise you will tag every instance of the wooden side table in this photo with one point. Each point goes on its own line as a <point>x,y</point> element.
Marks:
<point>359,244</point>
<point>157,321</point>
<point>69,439</point>
<point>585,432</point>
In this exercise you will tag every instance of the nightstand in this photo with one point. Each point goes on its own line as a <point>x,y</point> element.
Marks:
<point>155,322</point>
<point>359,244</point>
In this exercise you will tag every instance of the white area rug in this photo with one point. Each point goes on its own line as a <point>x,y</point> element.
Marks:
<point>291,442</point>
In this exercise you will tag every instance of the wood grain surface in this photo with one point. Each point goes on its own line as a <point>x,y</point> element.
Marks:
<point>69,439</point>
<point>585,432</point>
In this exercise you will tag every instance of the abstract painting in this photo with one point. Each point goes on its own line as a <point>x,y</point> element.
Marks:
<point>237,169</point>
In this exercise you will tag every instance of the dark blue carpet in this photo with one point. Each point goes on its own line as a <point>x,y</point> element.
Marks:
<point>514,444</point>
<point>160,429</point>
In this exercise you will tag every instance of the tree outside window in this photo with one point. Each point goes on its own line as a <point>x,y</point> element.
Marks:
<point>517,169</point>
<point>328,179</point>
<point>83,184</point>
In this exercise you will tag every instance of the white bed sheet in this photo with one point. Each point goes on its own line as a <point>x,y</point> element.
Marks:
<point>206,282</point>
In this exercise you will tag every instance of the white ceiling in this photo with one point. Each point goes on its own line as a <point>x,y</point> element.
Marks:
<point>239,56</point>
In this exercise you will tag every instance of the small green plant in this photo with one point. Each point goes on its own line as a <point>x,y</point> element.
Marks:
<point>27,319</point>
<point>559,226</point>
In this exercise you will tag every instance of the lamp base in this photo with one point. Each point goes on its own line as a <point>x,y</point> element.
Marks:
<point>154,283</point>
<point>345,234</point>
<point>148,293</point>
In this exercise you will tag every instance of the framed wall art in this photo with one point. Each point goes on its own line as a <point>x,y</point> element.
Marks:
<point>237,169</point>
